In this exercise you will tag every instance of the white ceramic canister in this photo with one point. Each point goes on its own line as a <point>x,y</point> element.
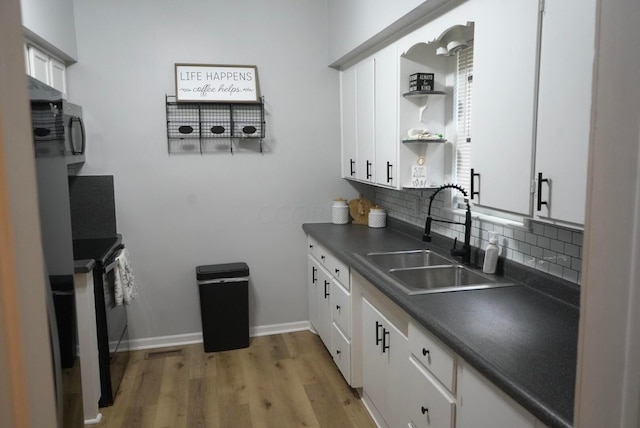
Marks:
<point>340,212</point>
<point>377,217</point>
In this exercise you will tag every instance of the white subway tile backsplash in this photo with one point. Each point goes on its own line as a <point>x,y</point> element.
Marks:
<point>565,235</point>
<point>551,232</point>
<point>555,269</point>
<point>556,245</point>
<point>572,250</point>
<point>546,247</point>
<point>544,242</point>
<point>570,275</point>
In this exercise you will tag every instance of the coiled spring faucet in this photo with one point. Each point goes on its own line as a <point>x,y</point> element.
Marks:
<point>465,251</point>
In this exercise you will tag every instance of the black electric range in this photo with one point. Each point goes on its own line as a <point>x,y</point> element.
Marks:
<point>111,319</point>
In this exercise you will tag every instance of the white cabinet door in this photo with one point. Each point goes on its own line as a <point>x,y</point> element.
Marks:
<point>386,117</point>
<point>564,108</point>
<point>312,293</point>
<point>482,405</point>
<point>348,119</point>
<point>323,298</point>
<point>365,75</point>
<point>504,84</point>
<point>58,75</point>
<point>39,65</point>
<point>385,356</point>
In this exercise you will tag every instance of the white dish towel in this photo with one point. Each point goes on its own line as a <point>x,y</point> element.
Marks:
<point>124,281</point>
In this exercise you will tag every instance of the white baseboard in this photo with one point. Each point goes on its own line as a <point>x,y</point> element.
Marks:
<point>191,338</point>
<point>94,421</point>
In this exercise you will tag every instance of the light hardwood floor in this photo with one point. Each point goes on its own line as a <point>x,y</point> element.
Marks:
<point>279,381</point>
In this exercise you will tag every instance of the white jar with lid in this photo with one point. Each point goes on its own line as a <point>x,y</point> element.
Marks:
<point>377,217</point>
<point>340,212</point>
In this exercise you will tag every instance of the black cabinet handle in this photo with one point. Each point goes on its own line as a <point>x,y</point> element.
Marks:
<point>472,179</point>
<point>378,338</point>
<point>352,163</point>
<point>337,307</point>
<point>425,352</point>
<point>314,270</point>
<point>322,258</point>
<point>540,201</point>
<point>311,246</point>
<point>326,288</point>
<point>385,343</point>
<point>389,177</point>
<point>424,410</point>
<point>338,352</point>
<point>368,170</point>
<point>337,271</point>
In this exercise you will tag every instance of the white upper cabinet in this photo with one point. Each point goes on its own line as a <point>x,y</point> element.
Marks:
<point>504,85</point>
<point>564,108</point>
<point>348,119</point>
<point>46,68</point>
<point>386,117</point>
<point>365,111</point>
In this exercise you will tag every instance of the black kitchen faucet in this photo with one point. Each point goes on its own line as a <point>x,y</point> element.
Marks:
<point>465,251</point>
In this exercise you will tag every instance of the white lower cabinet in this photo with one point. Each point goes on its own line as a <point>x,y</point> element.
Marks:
<point>385,354</point>
<point>408,377</point>
<point>329,302</point>
<point>482,405</point>
<point>429,404</point>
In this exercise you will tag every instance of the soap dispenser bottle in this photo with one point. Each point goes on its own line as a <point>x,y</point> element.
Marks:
<point>491,254</point>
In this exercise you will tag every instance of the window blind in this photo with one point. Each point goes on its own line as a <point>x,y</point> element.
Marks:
<point>463,100</point>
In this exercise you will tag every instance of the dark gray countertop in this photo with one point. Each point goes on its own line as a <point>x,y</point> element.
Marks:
<point>522,339</point>
<point>83,266</point>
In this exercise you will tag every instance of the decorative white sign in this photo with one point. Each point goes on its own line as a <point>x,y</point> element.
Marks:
<point>220,83</point>
<point>418,176</point>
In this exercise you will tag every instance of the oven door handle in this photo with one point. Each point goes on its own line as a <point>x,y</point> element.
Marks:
<point>108,268</point>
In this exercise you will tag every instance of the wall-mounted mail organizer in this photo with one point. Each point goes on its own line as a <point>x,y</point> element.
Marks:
<point>194,127</point>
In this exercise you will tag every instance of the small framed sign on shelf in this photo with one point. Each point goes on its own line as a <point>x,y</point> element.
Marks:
<point>217,83</point>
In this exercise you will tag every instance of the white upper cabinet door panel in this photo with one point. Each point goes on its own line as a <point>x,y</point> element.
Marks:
<point>386,116</point>
<point>504,85</point>
<point>365,75</point>
<point>564,107</point>
<point>39,65</point>
<point>348,116</point>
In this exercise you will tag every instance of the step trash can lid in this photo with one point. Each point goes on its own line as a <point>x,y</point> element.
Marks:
<point>225,270</point>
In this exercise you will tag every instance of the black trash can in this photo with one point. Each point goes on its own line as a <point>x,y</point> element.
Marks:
<point>224,305</point>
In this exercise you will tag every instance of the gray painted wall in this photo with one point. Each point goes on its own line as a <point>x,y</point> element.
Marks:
<point>51,24</point>
<point>180,211</point>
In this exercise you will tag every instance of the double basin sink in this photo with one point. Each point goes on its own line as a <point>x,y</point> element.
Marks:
<point>423,271</point>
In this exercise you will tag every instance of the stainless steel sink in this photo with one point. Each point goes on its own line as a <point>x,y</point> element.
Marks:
<point>423,271</point>
<point>433,279</point>
<point>406,259</point>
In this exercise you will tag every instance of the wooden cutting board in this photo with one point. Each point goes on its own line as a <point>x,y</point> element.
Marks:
<point>359,210</point>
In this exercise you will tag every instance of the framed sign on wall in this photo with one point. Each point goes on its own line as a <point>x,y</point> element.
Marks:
<point>217,83</point>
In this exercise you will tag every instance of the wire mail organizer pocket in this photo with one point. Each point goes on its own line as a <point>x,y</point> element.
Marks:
<point>204,127</point>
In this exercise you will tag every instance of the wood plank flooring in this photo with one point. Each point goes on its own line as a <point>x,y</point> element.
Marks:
<point>279,381</point>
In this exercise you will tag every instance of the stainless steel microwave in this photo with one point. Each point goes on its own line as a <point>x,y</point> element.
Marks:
<point>58,128</point>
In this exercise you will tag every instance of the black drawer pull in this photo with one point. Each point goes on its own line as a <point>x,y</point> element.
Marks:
<point>424,410</point>
<point>338,307</point>
<point>425,352</point>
